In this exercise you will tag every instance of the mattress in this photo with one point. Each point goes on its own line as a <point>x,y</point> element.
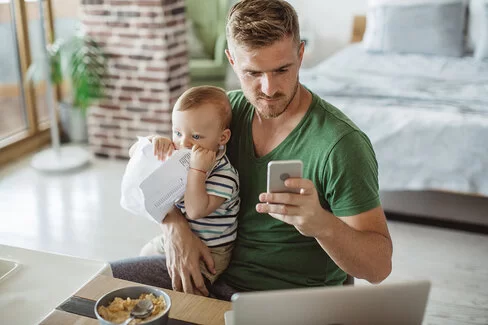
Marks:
<point>426,116</point>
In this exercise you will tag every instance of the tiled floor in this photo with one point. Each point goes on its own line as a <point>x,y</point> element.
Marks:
<point>79,214</point>
<point>75,213</point>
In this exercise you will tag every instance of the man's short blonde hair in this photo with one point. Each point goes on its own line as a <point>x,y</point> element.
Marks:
<point>259,23</point>
<point>194,97</point>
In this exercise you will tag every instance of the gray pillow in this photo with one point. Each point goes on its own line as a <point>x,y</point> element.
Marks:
<point>481,51</point>
<point>430,28</point>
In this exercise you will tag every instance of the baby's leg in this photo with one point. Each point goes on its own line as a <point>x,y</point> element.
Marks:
<point>153,248</point>
<point>221,256</point>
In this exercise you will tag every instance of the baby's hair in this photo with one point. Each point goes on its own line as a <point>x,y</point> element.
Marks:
<point>194,97</point>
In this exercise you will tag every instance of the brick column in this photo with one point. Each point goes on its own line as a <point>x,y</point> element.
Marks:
<point>145,43</point>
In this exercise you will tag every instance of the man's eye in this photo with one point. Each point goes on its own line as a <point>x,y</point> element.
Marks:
<point>282,71</point>
<point>196,136</point>
<point>177,133</point>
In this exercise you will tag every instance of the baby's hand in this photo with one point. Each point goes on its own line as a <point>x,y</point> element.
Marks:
<point>201,158</point>
<point>163,147</point>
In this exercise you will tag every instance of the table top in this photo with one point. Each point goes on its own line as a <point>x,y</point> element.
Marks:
<point>184,307</point>
<point>40,282</point>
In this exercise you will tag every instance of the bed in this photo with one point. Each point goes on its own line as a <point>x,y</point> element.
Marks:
<point>426,115</point>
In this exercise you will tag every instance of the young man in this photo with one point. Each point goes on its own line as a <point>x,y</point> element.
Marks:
<point>335,225</point>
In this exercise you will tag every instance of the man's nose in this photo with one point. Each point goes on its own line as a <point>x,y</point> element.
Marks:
<point>268,85</point>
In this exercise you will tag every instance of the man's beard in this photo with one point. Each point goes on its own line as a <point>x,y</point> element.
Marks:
<point>269,114</point>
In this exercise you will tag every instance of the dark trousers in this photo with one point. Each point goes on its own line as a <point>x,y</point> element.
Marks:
<point>151,270</point>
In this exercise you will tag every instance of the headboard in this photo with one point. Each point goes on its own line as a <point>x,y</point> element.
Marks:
<point>358,28</point>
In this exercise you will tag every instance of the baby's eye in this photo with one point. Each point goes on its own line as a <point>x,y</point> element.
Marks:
<point>196,136</point>
<point>177,133</point>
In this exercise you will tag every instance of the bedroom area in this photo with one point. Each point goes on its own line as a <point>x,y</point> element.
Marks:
<point>414,79</point>
<point>411,74</point>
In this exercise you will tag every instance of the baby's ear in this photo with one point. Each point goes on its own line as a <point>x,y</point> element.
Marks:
<point>224,137</point>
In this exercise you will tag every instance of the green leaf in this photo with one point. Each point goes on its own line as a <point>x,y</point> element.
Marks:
<point>79,60</point>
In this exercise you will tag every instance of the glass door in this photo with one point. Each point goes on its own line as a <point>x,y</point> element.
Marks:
<point>24,123</point>
<point>37,55</point>
<point>13,113</point>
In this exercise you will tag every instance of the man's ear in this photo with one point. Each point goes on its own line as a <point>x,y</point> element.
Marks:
<point>224,137</point>
<point>301,50</point>
<point>229,57</point>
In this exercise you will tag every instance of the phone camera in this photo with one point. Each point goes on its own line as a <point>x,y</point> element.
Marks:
<point>284,176</point>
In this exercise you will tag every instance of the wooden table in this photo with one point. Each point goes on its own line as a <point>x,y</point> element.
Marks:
<point>184,307</point>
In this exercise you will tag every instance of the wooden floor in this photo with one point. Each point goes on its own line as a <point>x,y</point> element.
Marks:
<point>79,214</point>
<point>456,263</point>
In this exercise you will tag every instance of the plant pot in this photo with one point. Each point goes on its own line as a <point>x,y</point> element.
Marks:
<point>73,123</point>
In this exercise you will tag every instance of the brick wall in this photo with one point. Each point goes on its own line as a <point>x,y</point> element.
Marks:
<point>145,43</point>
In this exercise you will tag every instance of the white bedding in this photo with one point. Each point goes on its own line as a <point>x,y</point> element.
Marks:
<point>426,116</point>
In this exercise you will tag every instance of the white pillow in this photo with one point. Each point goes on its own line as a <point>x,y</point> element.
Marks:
<point>372,3</point>
<point>475,26</point>
<point>481,49</point>
<point>433,27</point>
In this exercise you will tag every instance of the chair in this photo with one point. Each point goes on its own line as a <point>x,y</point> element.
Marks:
<point>207,33</point>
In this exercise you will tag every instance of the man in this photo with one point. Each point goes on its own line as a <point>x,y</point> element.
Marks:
<point>334,225</point>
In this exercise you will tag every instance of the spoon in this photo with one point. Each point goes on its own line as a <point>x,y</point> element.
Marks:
<point>141,310</point>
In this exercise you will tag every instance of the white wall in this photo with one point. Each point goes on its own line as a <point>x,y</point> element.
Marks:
<point>329,23</point>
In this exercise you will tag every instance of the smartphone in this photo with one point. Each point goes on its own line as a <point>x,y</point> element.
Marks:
<point>279,171</point>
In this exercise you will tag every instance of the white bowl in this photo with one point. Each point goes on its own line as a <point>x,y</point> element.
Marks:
<point>134,293</point>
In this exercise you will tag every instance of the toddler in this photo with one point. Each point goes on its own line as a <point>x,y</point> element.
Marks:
<point>201,122</point>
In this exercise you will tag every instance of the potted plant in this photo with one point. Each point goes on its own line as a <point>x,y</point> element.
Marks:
<point>80,62</point>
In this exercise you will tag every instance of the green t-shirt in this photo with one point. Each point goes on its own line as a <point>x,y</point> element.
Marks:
<point>336,156</point>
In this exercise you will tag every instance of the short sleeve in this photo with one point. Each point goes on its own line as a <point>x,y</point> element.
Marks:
<point>223,182</point>
<point>352,176</point>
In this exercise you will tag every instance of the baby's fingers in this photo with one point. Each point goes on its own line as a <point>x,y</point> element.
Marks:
<point>163,149</point>
<point>196,148</point>
<point>168,150</point>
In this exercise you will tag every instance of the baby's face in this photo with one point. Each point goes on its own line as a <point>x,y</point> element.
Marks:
<point>200,126</point>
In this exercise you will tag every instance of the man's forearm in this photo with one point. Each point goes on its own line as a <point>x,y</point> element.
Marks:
<point>362,254</point>
<point>173,220</point>
<point>184,251</point>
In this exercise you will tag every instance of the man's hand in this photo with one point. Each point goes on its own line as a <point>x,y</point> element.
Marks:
<point>303,210</point>
<point>163,147</point>
<point>202,159</point>
<point>359,244</point>
<point>183,253</point>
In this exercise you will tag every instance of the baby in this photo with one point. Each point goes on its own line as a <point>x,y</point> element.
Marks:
<point>201,122</point>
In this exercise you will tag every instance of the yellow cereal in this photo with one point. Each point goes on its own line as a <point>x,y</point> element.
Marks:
<point>119,309</point>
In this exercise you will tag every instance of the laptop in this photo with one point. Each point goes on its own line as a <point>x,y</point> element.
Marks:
<point>388,303</point>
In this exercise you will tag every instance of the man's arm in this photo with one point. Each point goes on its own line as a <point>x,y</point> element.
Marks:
<point>360,244</point>
<point>184,250</point>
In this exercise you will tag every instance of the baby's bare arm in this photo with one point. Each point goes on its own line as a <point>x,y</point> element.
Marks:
<point>198,203</point>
